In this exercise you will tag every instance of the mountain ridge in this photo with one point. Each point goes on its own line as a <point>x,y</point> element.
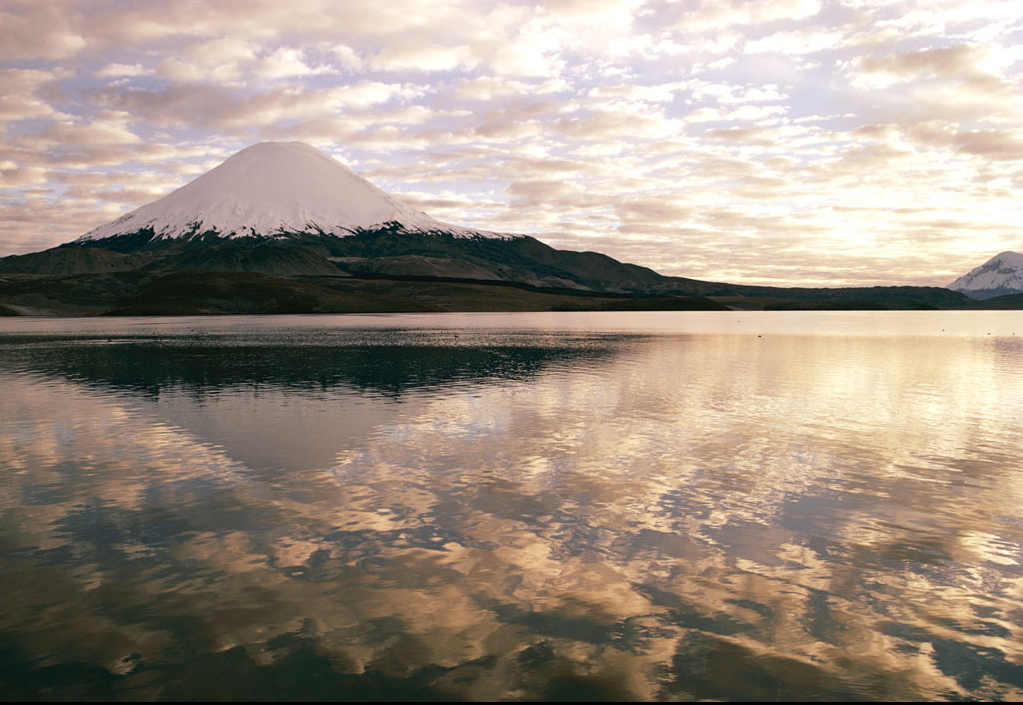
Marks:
<point>999,276</point>
<point>286,210</point>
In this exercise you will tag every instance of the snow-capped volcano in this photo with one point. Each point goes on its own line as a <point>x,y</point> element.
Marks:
<point>1002,274</point>
<point>273,189</point>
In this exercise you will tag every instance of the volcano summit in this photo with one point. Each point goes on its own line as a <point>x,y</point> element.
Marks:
<point>272,190</point>
<point>999,276</point>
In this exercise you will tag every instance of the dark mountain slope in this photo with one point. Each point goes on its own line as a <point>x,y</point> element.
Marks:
<point>260,257</point>
<point>60,261</point>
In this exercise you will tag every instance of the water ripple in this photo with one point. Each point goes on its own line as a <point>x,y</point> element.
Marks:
<point>511,507</point>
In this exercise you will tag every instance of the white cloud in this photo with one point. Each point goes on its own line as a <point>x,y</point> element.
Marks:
<point>422,56</point>
<point>37,30</point>
<point>535,56</point>
<point>119,70</point>
<point>742,113</point>
<point>710,14</point>
<point>661,93</point>
<point>796,42</point>
<point>286,63</point>
<point>12,176</point>
<point>219,52</point>
<point>180,71</point>
<point>346,56</point>
<point>667,131</point>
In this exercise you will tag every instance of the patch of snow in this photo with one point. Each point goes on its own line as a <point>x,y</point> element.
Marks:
<point>1003,271</point>
<point>272,189</point>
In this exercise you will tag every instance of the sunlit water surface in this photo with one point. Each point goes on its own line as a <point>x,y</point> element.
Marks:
<point>518,506</point>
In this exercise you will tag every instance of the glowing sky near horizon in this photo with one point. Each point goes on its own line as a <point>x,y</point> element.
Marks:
<point>817,142</point>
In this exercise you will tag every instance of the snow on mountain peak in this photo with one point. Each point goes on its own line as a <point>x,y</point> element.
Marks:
<point>271,189</point>
<point>1003,272</point>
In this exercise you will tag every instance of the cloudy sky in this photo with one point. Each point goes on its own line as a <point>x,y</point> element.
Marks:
<point>758,141</point>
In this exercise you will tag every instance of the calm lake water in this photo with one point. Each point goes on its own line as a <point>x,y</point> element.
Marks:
<point>653,506</point>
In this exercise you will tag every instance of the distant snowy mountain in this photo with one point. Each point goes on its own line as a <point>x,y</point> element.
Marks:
<point>271,190</point>
<point>1000,275</point>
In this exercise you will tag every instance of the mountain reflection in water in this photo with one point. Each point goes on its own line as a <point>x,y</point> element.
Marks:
<point>518,510</point>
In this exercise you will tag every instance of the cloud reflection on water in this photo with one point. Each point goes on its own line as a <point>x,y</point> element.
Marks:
<point>640,517</point>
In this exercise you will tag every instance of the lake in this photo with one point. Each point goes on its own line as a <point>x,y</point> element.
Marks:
<point>634,506</point>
